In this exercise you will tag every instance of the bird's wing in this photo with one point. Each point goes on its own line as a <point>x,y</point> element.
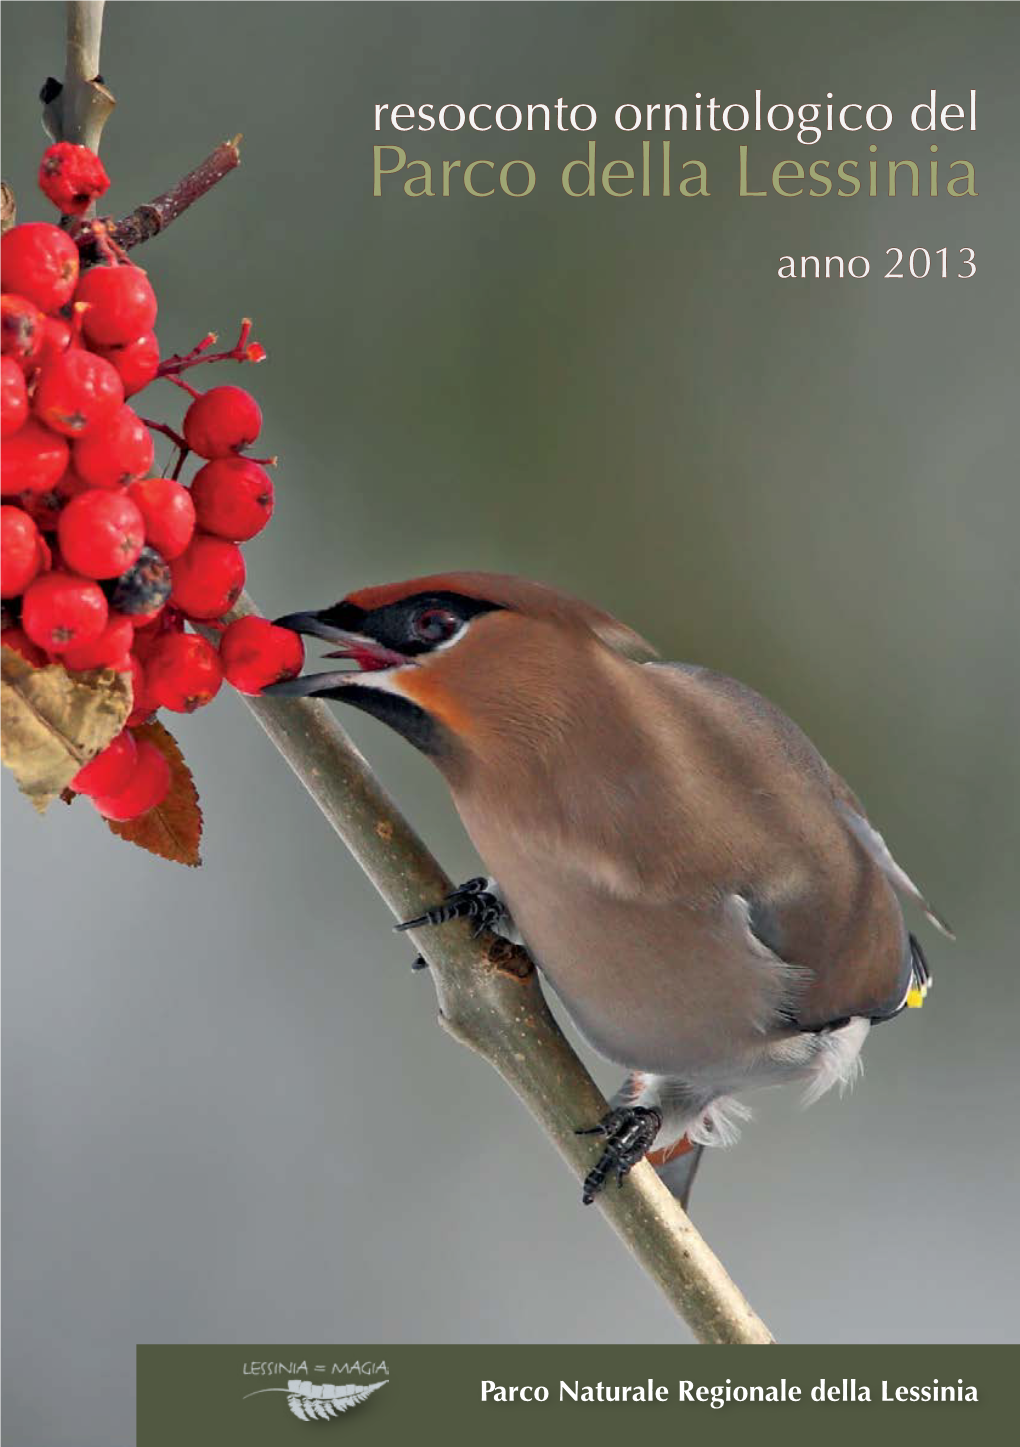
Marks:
<point>750,710</point>
<point>878,851</point>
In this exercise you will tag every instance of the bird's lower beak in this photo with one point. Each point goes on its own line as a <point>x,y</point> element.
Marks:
<point>366,653</point>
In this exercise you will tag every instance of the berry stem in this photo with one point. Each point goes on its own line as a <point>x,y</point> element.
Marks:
<point>241,351</point>
<point>175,437</point>
<point>154,216</point>
<point>192,392</point>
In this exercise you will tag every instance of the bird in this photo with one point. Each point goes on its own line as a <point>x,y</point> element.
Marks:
<point>705,895</point>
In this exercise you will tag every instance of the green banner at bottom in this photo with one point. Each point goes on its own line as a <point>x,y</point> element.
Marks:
<point>283,1395</point>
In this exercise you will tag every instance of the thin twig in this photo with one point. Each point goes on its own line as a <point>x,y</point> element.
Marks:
<point>154,216</point>
<point>491,1001</point>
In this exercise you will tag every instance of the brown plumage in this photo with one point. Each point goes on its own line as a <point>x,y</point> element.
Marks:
<point>701,889</point>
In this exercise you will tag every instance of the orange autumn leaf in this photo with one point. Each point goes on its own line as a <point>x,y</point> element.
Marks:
<point>173,829</point>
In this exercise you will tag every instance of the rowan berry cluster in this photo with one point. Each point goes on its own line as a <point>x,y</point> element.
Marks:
<point>106,563</point>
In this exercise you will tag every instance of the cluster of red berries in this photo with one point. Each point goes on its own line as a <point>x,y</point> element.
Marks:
<point>104,562</point>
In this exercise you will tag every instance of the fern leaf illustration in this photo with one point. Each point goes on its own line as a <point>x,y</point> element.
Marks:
<point>311,1401</point>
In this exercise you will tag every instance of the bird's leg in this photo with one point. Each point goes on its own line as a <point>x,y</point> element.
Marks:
<point>629,1131</point>
<point>476,900</point>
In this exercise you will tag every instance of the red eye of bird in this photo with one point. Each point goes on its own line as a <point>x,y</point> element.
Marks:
<point>434,625</point>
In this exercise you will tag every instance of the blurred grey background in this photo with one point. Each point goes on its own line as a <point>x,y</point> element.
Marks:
<point>229,1112</point>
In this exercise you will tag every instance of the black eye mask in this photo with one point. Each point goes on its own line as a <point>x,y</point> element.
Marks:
<point>394,624</point>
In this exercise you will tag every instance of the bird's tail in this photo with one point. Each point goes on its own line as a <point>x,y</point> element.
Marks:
<point>676,1167</point>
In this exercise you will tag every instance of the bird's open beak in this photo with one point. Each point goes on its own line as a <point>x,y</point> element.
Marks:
<point>366,653</point>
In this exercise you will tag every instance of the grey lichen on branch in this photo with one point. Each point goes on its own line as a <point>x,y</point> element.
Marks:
<point>490,1000</point>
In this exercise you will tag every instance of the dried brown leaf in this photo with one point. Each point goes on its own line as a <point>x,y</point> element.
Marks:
<point>173,830</point>
<point>55,721</point>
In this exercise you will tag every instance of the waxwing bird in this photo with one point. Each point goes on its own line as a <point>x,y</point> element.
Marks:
<point>706,896</point>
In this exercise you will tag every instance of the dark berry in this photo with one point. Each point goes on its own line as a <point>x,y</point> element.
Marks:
<point>116,451</point>
<point>137,361</point>
<point>13,396</point>
<point>76,391</point>
<point>168,513</point>
<point>148,786</point>
<point>182,672</point>
<point>222,421</point>
<point>121,305</point>
<point>21,329</point>
<point>233,498</point>
<point>255,653</point>
<point>144,588</point>
<point>41,262</point>
<point>34,460</point>
<point>207,578</point>
<point>20,551</point>
<point>60,610</point>
<point>72,177</point>
<point>101,533</point>
<point>110,770</point>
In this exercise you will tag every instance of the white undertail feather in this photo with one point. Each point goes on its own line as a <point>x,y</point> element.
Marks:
<point>838,1061</point>
<point>720,1124</point>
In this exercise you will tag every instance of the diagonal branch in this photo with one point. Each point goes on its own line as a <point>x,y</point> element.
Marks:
<point>491,1001</point>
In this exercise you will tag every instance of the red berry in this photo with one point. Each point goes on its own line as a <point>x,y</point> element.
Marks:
<point>21,554</point>
<point>254,653</point>
<point>140,707</point>
<point>110,650</point>
<point>148,632</point>
<point>76,391</point>
<point>21,329</point>
<point>110,770</point>
<point>60,610</point>
<point>19,640</point>
<point>182,672</point>
<point>72,177</point>
<point>41,262</point>
<point>233,498</point>
<point>207,578</point>
<point>143,589</point>
<point>45,507</point>
<point>13,396</point>
<point>222,421</point>
<point>56,339</point>
<point>148,786</point>
<point>121,305</point>
<point>116,451</point>
<point>101,533</point>
<point>34,460</point>
<point>137,361</point>
<point>168,512</point>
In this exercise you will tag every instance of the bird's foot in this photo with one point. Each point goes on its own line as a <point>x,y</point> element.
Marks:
<point>629,1132</point>
<point>473,900</point>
